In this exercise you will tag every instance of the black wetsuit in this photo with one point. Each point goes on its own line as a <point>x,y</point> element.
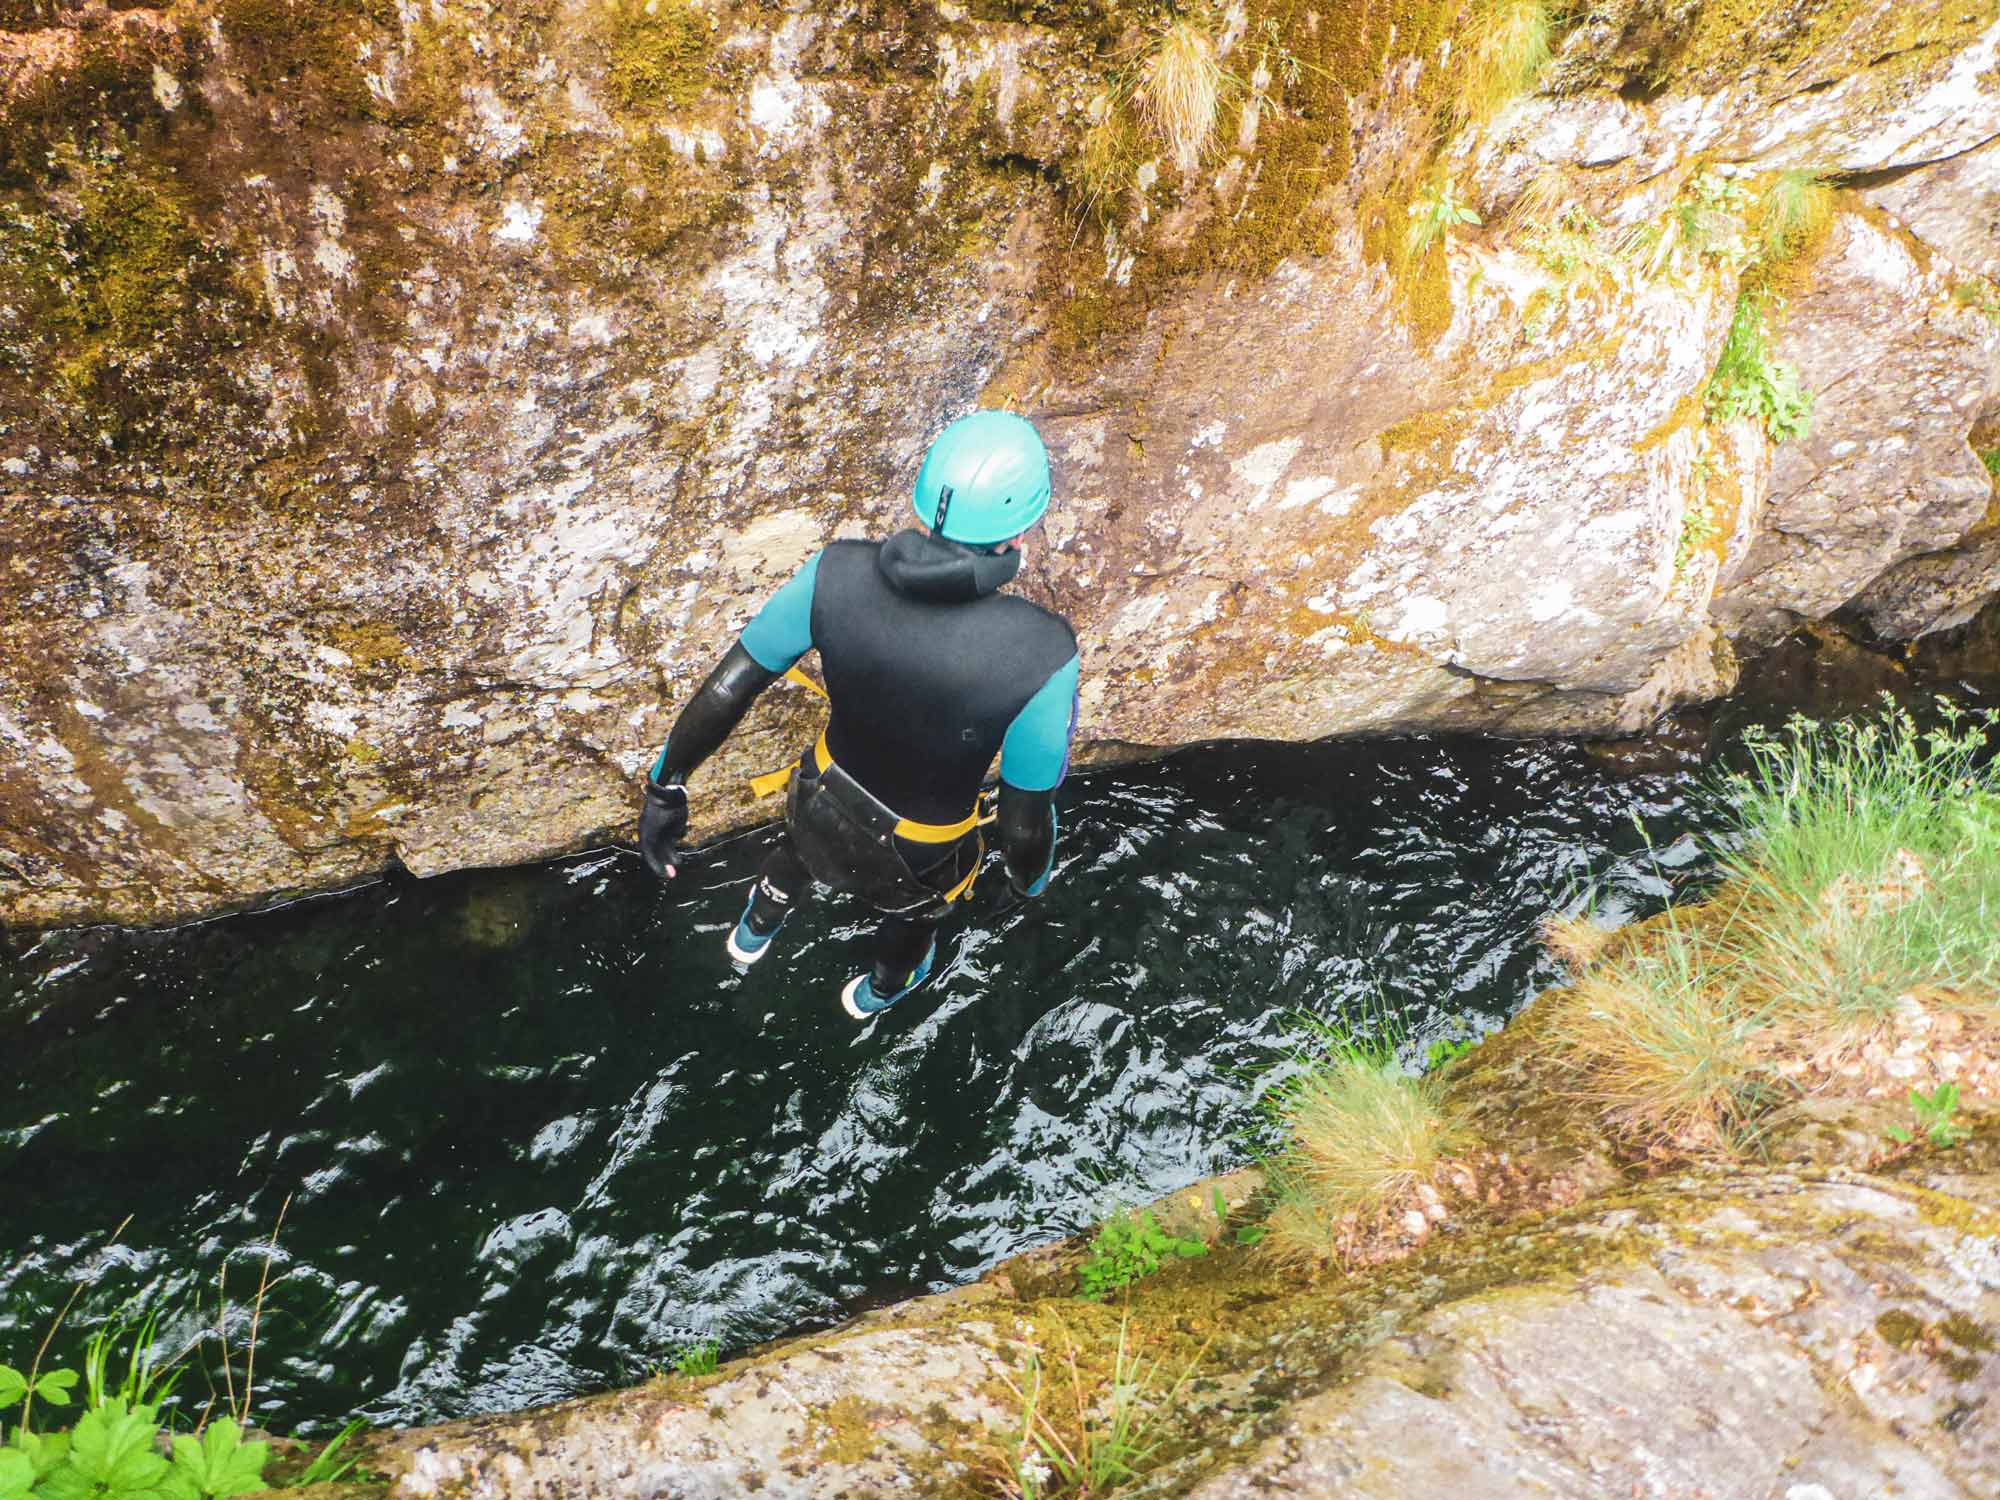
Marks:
<point>930,673</point>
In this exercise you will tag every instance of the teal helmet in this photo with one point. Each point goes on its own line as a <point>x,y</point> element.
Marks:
<point>984,480</point>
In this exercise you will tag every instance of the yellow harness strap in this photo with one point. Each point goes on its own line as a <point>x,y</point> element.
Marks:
<point>964,887</point>
<point>906,828</point>
<point>774,781</point>
<point>909,828</point>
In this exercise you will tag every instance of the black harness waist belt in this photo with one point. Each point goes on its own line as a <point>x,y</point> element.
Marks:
<point>852,840</point>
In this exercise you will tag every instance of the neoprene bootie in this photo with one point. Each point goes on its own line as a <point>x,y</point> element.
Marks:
<point>861,1000</point>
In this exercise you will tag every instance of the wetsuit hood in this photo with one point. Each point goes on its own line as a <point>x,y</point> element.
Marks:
<point>929,567</point>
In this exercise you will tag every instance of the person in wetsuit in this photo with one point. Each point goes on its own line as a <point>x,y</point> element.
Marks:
<point>930,671</point>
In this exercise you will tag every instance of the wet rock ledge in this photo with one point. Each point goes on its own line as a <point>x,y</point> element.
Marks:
<point>1811,1332</point>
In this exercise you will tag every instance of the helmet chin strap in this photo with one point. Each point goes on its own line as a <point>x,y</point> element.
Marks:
<point>943,507</point>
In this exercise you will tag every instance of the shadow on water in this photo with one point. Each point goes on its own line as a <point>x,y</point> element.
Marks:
<point>535,1133</point>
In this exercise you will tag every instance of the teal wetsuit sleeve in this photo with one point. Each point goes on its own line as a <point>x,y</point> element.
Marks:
<point>1034,756</point>
<point>781,632</point>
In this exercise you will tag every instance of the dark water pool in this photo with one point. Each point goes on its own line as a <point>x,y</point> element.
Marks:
<point>535,1135</point>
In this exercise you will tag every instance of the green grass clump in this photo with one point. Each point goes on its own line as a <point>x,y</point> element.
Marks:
<point>1749,383</point>
<point>697,1359</point>
<point>1991,458</point>
<point>1865,874</point>
<point>1873,861</point>
<point>1128,1247</point>
<point>1794,212</point>
<point>1506,47</point>
<point>1083,1435</point>
<point>1355,1132</point>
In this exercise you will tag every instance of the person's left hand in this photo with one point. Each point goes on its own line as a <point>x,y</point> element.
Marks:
<point>662,824</point>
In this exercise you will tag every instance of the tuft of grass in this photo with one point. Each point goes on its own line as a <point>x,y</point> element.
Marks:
<point>1749,383</point>
<point>1505,52</point>
<point>1865,874</point>
<point>1576,941</point>
<point>1795,210</point>
<point>1873,859</point>
<point>696,1359</point>
<point>1542,201</point>
<point>1991,458</point>
<point>1356,1131</point>
<point>1657,1049</point>
<point>1180,88</point>
<point>1077,1439</point>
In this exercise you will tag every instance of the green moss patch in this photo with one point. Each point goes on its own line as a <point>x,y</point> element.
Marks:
<point>658,53</point>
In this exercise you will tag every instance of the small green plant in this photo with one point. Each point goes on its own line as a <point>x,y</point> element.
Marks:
<point>1572,252</point>
<point>1978,294</point>
<point>1936,1117</point>
<point>1698,529</point>
<point>1280,59</point>
<point>696,1359</point>
<point>1795,209</point>
<point>1127,1247</point>
<point>1708,218</point>
<point>1079,1443</point>
<point>1444,1051</point>
<point>328,1465</point>
<point>113,1452</point>
<point>1433,215</point>
<point>54,1387</point>
<point>1991,458</point>
<point>1749,383</point>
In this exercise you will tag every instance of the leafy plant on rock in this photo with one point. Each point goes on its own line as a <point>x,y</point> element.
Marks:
<point>1936,1114</point>
<point>1127,1248</point>
<point>1749,383</point>
<point>1433,215</point>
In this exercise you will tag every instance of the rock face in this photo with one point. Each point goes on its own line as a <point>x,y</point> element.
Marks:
<point>1768,1333</point>
<point>403,402</point>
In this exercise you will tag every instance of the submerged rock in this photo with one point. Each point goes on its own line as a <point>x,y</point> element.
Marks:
<point>401,407</point>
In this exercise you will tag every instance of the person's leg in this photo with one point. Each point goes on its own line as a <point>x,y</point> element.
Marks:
<point>903,949</point>
<point>906,941</point>
<point>781,885</point>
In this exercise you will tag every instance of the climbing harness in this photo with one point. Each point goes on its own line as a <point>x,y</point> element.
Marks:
<point>855,834</point>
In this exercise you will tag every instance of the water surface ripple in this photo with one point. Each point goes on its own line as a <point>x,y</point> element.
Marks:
<point>535,1135</point>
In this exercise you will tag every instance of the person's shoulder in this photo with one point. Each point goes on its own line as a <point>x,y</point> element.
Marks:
<point>1044,625</point>
<point>849,547</point>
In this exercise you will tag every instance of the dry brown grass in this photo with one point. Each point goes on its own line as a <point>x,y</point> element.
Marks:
<point>1576,942</point>
<point>1180,88</point>
<point>1360,1137</point>
<point>1542,201</point>
<point>1657,1049</point>
<point>1504,54</point>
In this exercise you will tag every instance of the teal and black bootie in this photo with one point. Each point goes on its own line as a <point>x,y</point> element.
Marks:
<point>861,1000</point>
<point>763,914</point>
